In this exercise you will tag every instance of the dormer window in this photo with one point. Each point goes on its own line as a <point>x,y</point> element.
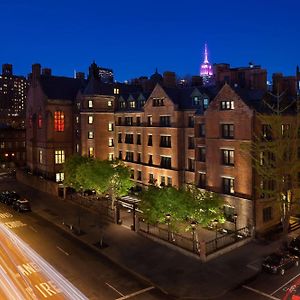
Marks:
<point>196,101</point>
<point>205,103</point>
<point>122,104</point>
<point>116,91</point>
<point>227,105</point>
<point>132,104</point>
<point>158,102</point>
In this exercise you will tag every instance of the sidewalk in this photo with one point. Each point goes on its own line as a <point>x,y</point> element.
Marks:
<point>169,270</point>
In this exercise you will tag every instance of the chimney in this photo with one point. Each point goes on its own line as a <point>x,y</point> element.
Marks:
<point>79,75</point>
<point>169,79</point>
<point>46,72</point>
<point>197,81</point>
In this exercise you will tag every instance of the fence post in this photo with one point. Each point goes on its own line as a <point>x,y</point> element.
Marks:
<point>203,250</point>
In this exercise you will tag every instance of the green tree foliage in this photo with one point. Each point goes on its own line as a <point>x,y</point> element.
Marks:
<point>103,176</point>
<point>184,205</point>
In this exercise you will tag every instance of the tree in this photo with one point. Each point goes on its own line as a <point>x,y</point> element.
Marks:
<point>275,155</point>
<point>185,204</point>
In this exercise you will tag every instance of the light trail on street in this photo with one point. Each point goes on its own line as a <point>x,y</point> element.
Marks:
<point>26,275</point>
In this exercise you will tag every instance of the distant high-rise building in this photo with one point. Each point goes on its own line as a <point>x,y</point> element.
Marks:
<point>206,71</point>
<point>104,74</point>
<point>13,92</point>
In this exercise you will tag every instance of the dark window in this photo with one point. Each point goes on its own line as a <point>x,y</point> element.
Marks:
<point>202,130</point>
<point>165,141</point>
<point>158,102</point>
<point>229,213</point>
<point>267,214</point>
<point>227,131</point>
<point>202,154</point>
<point>228,185</point>
<point>138,139</point>
<point>169,179</point>
<point>202,180</point>
<point>149,118</point>
<point>165,162</point>
<point>162,180</point>
<point>191,121</point>
<point>151,178</point>
<point>227,105</point>
<point>191,143</point>
<point>129,156</point>
<point>228,157</point>
<point>191,164</point>
<point>266,188</point>
<point>119,137</point>
<point>138,121</point>
<point>150,140</point>
<point>267,132</point>
<point>129,138</point>
<point>165,121</point>
<point>128,121</point>
<point>122,104</point>
<point>285,130</point>
<point>139,175</point>
<point>119,120</point>
<point>138,157</point>
<point>132,173</point>
<point>120,155</point>
<point>150,162</point>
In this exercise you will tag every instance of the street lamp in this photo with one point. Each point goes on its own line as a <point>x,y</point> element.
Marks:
<point>168,218</point>
<point>193,225</point>
<point>235,228</point>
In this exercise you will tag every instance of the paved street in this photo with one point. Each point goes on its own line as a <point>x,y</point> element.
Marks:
<point>93,274</point>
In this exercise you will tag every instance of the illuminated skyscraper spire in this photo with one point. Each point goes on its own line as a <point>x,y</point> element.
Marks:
<point>206,71</point>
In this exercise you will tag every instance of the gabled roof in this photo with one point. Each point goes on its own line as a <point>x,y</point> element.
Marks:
<point>62,88</point>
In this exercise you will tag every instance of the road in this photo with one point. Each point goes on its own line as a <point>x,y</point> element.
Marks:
<point>91,273</point>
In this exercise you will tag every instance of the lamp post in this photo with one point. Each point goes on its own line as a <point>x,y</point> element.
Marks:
<point>193,225</point>
<point>215,223</point>
<point>168,218</point>
<point>235,228</point>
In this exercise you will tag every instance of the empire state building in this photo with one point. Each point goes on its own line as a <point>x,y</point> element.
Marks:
<point>206,71</point>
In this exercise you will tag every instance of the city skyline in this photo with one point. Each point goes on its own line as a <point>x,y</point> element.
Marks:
<point>134,40</point>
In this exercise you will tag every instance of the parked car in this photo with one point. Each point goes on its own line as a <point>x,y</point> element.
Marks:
<point>294,246</point>
<point>278,262</point>
<point>11,197</point>
<point>3,196</point>
<point>22,205</point>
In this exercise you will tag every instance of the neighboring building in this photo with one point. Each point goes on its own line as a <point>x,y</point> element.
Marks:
<point>49,122</point>
<point>13,92</point>
<point>12,146</point>
<point>104,74</point>
<point>206,70</point>
<point>251,77</point>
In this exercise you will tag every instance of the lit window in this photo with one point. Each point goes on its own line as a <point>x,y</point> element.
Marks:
<point>91,152</point>
<point>109,103</point>
<point>90,134</point>
<point>77,148</point>
<point>59,121</point>
<point>227,105</point>
<point>90,119</point>
<point>59,177</point>
<point>132,104</point>
<point>110,142</point>
<point>90,104</point>
<point>40,121</point>
<point>116,91</point>
<point>59,156</point>
<point>110,126</point>
<point>110,156</point>
<point>41,156</point>
<point>77,119</point>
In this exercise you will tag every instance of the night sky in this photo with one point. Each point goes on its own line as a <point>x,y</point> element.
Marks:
<point>135,37</point>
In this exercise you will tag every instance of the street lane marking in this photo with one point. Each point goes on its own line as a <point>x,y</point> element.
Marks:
<point>5,215</point>
<point>14,224</point>
<point>32,228</point>
<point>140,292</point>
<point>260,293</point>
<point>114,289</point>
<point>285,284</point>
<point>62,250</point>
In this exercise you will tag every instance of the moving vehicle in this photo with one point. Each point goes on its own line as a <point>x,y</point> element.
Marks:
<point>278,262</point>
